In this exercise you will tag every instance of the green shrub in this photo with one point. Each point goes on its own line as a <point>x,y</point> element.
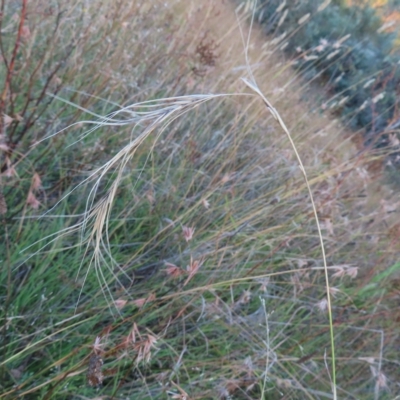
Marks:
<point>345,49</point>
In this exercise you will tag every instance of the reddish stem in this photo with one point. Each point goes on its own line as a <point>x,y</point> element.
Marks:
<point>12,62</point>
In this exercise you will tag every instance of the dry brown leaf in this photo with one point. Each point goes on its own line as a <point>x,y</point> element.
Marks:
<point>144,300</point>
<point>32,201</point>
<point>36,181</point>
<point>173,270</point>
<point>120,303</point>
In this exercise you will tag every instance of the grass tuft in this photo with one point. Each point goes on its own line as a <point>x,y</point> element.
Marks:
<point>163,244</point>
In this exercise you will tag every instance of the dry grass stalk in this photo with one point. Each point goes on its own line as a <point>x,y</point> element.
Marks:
<point>253,86</point>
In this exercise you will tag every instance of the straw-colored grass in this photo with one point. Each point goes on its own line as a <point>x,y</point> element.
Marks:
<point>187,257</point>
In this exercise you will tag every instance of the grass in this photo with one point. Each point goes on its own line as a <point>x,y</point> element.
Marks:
<point>239,309</point>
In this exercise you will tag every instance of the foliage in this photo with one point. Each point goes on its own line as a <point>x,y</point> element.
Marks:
<point>348,51</point>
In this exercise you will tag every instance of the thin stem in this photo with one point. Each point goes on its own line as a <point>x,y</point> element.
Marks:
<point>276,115</point>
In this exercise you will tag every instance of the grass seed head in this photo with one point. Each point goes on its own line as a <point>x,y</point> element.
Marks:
<point>188,233</point>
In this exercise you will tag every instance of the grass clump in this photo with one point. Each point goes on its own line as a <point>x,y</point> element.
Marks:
<point>182,258</point>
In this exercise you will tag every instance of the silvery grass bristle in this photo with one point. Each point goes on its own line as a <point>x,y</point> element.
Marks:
<point>94,225</point>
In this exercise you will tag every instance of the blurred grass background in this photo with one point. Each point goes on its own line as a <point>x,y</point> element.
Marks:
<point>209,281</point>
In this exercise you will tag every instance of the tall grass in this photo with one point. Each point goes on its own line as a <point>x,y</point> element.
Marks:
<point>181,256</point>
